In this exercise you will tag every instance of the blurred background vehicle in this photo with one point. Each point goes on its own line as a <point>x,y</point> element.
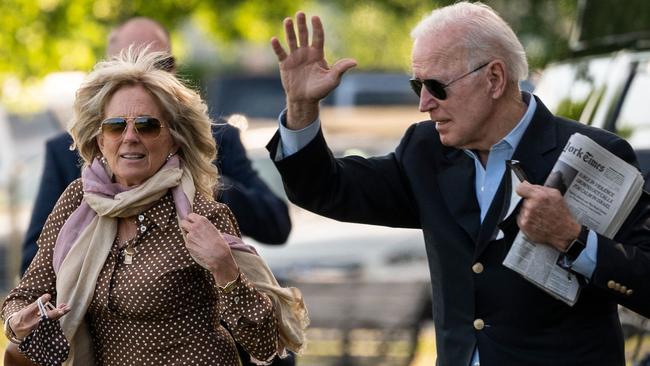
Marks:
<point>605,83</point>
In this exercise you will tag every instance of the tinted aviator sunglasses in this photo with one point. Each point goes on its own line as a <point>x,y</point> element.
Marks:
<point>436,88</point>
<point>145,126</point>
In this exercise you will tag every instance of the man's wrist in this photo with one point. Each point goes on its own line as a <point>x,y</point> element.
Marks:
<point>574,249</point>
<point>301,114</point>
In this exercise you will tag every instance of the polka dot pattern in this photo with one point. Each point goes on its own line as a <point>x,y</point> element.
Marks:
<point>163,309</point>
<point>46,345</point>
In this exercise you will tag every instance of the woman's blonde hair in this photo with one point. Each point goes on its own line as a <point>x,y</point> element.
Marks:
<point>185,112</point>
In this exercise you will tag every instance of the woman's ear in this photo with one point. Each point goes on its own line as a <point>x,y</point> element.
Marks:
<point>100,143</point>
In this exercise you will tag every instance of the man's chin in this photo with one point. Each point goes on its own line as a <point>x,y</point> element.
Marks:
<point>448,141</point>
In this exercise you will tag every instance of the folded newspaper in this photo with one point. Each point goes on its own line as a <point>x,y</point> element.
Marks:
<point>600,190</point>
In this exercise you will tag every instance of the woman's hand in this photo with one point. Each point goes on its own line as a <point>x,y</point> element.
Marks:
<point>26,320</point>
<point>209,249</point>
<point>306,76</point>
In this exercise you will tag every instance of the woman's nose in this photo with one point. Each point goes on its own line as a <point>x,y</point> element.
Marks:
<point>130,133</point>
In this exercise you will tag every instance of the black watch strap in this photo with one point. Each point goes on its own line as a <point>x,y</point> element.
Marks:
<point>577,245</point>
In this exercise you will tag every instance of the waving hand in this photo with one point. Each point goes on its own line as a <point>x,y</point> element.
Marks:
<point>306,76</point>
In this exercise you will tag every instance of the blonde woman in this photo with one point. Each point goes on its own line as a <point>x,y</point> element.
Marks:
<point>137,264</point>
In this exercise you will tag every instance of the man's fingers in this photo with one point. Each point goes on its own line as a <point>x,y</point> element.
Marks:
<point>525,189</point>
<point>343,65</point>
<point>318,34</point>
<point>278,49</point>
<point>290,34</point>
<point>303,31</point>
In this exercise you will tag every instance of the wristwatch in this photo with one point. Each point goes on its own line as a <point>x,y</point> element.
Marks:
<point>577,245</point>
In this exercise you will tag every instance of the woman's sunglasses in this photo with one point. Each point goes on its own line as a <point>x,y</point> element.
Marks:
<point>145,126</point>
<point>436,88</point>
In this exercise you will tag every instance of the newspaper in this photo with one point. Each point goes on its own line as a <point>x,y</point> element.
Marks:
<point>600,190</point>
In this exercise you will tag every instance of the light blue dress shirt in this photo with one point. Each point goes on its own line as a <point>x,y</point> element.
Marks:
<point>486,182</point>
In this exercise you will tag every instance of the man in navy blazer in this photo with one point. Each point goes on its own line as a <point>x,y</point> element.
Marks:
<point>260,213</point>
<point>446,178</point>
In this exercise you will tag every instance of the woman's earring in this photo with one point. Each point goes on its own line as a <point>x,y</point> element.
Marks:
<point>169,156</point>
<point>103,160</point>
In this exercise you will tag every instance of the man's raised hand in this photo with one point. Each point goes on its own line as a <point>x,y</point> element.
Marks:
<point>306,76</point>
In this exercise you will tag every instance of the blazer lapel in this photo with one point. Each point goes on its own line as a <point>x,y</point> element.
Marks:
<point>535,150</point>
<point>535,153</point>
<point>458,191</point>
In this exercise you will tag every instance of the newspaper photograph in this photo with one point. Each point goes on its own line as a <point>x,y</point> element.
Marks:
<point>600,190</point>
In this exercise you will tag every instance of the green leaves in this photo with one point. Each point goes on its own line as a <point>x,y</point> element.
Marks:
<point>43,36</point>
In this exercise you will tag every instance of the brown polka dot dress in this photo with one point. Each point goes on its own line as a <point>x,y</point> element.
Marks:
<point>163,309</point>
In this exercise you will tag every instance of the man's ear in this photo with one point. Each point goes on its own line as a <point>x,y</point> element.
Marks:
<point>497,75</point>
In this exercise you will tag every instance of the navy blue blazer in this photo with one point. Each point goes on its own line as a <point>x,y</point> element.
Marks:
<point>260,213</point>
<point>426,185</point>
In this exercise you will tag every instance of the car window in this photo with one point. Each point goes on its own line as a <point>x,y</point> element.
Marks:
<point>567,88</point>
<point>633,122</point>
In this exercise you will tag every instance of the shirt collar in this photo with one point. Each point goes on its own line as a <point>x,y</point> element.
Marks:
<point>513,138</point>
<point>161,213</point>
<point>517,133</point>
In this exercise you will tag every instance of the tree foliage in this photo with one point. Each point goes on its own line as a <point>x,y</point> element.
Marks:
<point>42,36</point>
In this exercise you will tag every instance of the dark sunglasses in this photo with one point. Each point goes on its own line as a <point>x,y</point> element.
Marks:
<point>436,88</point>
<point>145,126</point>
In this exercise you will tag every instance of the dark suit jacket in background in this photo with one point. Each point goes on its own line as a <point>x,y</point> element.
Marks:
<point>260,214</point>
<point>426,185</point>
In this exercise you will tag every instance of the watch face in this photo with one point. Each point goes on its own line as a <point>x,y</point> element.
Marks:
<point>576,247</point>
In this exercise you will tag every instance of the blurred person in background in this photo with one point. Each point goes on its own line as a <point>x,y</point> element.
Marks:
<point>144,266</point>
<point>445,177</point>
<point>261,214</point>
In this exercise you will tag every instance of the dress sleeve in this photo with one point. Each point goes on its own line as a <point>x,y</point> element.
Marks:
<point>40,278</point>
<point>247,313</point>
<point>250,318</point>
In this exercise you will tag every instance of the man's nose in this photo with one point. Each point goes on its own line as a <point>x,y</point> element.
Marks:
<point>427,101</point>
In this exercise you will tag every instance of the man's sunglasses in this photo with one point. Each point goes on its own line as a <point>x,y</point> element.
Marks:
<point>145,126</point>
<point>436,88</point>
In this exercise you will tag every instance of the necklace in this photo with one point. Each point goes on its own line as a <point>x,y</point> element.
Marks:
<point>129,250</point>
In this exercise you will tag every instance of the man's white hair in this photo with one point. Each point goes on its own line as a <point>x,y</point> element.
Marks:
<point>483,33</point>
